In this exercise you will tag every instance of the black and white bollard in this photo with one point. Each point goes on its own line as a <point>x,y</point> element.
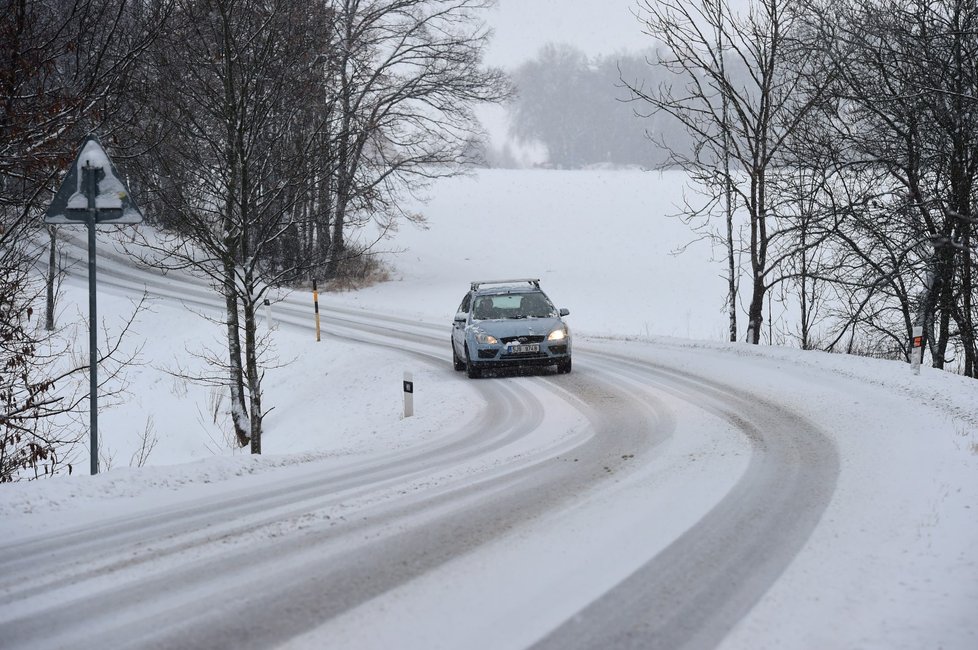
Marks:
<point>408,394</point>
<point>268,315</point>
<point>315,302</point>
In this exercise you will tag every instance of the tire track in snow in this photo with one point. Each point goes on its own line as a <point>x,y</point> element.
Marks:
<point>692,593</point>
<point>688,595</point>
<point>83,574</point>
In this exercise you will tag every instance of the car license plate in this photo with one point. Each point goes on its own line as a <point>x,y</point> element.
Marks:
<point>524,349</point>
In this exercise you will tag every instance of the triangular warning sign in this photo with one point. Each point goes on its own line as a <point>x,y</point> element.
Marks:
<point>108,196</point>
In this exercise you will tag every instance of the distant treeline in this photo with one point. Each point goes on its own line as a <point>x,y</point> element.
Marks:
<point>579,109</point>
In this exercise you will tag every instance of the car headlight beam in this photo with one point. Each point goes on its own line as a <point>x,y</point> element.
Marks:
<point>485,339</point>
<point>557,335</point>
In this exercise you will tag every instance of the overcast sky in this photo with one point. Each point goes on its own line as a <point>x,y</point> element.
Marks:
<point>522,27</point>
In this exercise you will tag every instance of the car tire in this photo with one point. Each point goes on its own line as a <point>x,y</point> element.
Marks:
<point>457,362</point>
<point>470,368</point>
<point>564,367</point>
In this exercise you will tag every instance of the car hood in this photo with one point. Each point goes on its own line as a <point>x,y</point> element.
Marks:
<point>507,327</point>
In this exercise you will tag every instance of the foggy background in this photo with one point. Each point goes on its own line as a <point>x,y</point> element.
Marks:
<point>568,60</point>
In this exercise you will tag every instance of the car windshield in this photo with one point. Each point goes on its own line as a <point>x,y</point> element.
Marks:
<point>513,305</point>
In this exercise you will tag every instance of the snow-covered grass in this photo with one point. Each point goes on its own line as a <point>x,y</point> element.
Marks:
<point>892,563</point>
<point>603,243</point>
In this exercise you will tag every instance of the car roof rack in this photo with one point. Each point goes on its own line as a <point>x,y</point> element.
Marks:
<point>534,281</point>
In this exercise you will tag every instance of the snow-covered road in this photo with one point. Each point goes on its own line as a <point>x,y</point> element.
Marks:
<point>270,561</point>
<point>667,493</point>
<point>263,564</point>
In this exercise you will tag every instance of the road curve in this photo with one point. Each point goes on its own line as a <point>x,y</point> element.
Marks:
<point>693,592</point>
<point>258,568</point>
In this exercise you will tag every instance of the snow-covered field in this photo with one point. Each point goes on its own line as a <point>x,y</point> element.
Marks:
<point>891,562</point>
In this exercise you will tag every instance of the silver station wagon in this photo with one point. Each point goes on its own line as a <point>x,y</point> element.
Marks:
<point>507,323</point>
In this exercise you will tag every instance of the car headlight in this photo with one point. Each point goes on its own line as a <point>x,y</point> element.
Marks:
<point>485,339</point>
<point>557,335</point>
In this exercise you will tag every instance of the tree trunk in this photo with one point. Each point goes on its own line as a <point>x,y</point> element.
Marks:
<point>337,245</point>
<point>945,299</point>
<point>803,298</point>
<point>808,223</point>
<point>727,183</point>
<point>239,410</point>
<point>252,372</point>
<point>758,255</point>
<point>731,271</point>
<point>755,314</point>
<point>967,323</point>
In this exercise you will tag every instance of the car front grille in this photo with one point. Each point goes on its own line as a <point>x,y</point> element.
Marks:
<point>525,355</point>
<point>525,338</point>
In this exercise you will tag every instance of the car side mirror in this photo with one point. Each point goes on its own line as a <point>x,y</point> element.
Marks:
<point>461,317</point>
<point>564,312</point>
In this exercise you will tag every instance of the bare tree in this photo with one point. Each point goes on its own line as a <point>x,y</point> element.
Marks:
<point>904,114</point>
<point>63,67</point>
<point>278,128</point>
<point>43,389</point>
<point>230,161</point>
<point>400,87</point>
<point>62,64</point>
<point>744,85</point>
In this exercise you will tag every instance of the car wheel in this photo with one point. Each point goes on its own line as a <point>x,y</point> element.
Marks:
<point>564,367</point>
<point>456,361</point>
<point>471,370</point>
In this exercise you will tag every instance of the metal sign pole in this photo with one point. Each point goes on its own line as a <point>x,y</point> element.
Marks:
<point>90,193</point>
<point>89,173</point>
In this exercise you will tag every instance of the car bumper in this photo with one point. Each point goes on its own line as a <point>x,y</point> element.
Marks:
<point>496,356</point>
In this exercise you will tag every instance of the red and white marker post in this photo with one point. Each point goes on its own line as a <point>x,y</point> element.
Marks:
<point>917,349</point>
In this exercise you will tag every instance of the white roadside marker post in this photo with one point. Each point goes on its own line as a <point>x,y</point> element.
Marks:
<point>268,314</point>
<point>917,349</point>
<point>408,394</point>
